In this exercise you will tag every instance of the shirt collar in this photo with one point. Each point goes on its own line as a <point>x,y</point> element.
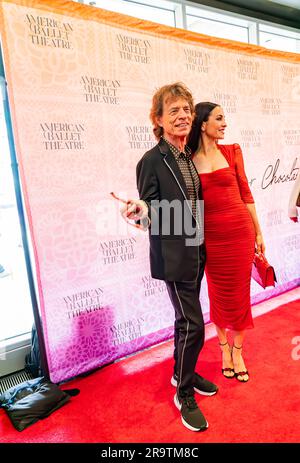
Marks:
<point>176,152</point>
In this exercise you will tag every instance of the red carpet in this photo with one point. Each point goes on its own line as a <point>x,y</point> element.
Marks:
<point>132,400</point>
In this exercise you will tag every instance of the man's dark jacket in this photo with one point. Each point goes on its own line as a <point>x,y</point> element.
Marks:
<point>159,178</point>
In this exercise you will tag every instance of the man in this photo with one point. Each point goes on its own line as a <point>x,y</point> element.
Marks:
<point>169,188</point>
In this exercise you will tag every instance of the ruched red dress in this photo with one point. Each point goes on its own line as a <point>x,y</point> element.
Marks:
<point>230,241</point>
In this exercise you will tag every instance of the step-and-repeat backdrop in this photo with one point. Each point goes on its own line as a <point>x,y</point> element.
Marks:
<point>80,84</point>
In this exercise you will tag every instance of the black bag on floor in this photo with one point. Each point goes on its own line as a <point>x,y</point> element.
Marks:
<point>33,400</point>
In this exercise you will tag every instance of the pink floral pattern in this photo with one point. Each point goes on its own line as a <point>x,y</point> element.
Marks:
<point>96,310</point>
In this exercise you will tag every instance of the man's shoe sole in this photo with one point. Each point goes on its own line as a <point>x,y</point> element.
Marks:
<point>191,428</point>
<point>174,383</point>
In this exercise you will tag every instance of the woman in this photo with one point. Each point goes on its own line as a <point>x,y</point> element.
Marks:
<point>231,231</point>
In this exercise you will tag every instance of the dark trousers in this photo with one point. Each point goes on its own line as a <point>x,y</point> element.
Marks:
<point>188,327</point>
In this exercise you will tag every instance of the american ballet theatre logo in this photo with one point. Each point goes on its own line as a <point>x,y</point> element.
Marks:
<point>289,72</point>
<point>49,32</point>
<point>126,331</point>
<point>296,350</point>
<point>274,217</point>
<point>291,245</point>
<point>227,101</point>
<point>84,302</point>
<point>152,287</point>
<point>140,137</point>
<point>62,135</point>
<point>133,49</point>
<point>251,138</point>
<point>116,251</point>
<point>292,137</point>
<point>247,69</point>
<point>270,106</point>
<point>197,60</point>
<point>99,90</point>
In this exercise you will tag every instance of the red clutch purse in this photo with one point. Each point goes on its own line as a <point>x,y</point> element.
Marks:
<point>262,272</point>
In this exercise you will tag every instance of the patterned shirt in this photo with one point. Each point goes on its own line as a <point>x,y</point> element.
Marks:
<point>189,173</point>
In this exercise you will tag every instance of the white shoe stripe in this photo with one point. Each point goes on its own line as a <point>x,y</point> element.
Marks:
<point>187,333</point>
<point>174,383</point>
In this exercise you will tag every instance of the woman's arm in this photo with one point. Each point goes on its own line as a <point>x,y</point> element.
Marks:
<point>247,196</point>
<point>260,245</point>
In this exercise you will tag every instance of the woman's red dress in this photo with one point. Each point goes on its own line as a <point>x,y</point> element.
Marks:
<point>230,241</point>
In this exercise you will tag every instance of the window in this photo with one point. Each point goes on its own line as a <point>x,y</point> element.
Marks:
<point>217,25</point>
<point>279,38</point>
<point>16,315</point>
<point>205,20</point>
<point>158,11</point>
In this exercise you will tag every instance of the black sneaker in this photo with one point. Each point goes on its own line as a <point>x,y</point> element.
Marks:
<point>191,415</point>
<point>201,385</point>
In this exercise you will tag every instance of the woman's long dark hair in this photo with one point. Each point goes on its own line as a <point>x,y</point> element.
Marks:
<point>202,112</point>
